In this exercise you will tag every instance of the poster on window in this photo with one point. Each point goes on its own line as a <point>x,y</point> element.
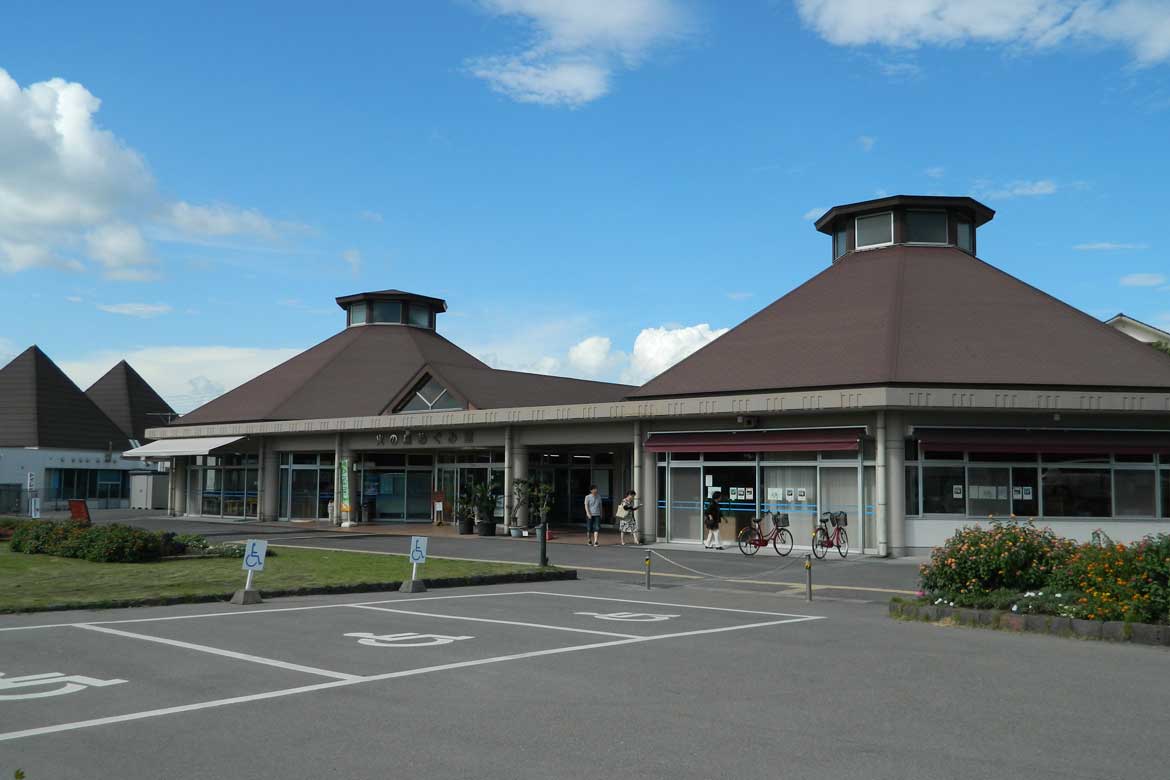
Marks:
<point>712,490</point>
<point>956,491</point>
<point>775,494</point>
<point>1017,494</point>
<point>1001,492</point>
<point>749,494</point>
<point>710,480</point>
<point>789,494</point>
<point>1027,492</point>
<point>801,494</point>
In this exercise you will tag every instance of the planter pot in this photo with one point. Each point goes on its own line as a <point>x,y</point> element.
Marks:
<point>516,531</point>
<point>466,526</point>
<point>485,528</point>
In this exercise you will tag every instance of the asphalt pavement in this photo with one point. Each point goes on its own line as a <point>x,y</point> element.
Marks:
<point>591,679</point>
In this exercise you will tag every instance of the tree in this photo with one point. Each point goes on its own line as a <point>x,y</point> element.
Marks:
<point>1161,346</point>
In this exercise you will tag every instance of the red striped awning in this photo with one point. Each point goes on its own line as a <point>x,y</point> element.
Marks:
<point>1032,441</point>
<point>839,440</point>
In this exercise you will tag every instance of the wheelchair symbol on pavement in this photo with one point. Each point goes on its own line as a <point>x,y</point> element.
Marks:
<point>68,684</point>
<point>408,639</point>
<point>629,617</point>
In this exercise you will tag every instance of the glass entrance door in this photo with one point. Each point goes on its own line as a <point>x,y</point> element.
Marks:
<point>418,496</point>
<point>685,497</point>
<point>838,493</point>
<point>579,482</point>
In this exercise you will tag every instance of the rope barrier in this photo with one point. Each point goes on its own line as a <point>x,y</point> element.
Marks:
<point>726,578</point>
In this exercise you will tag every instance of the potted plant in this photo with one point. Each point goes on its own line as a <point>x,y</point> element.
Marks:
<point>540,500</point>
<point>483,499</point>
<point>521,488</point>
<point>465,515</point>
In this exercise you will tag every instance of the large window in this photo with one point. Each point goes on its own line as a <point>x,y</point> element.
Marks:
<point>1073,492</point>
<point>430,395</point>
<point>926,227</point>
<point>306,485</point>
<point>1133,493</point>
<point>912,507</point>
<point>944,490</point>
<point>875,230</point>
<point>357,313</point>
<point>989,491</point>
<point>420,315</point>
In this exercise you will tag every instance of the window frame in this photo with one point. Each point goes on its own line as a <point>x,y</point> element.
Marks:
<point>906,227</point>
<point>857,245</point>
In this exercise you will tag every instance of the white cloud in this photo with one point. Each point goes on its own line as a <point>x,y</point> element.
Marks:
<point>1142,26</point>
<point>1143,280</point>
<point>1107,246</point>
<point>812,214</point>
<point>122,251</point>
<point>576,46</point>
<point>72,194</point>
<point>739,296</point>
<point>370,216</point>
<point>657,349</point>
<point>353,258</point>
<point>595,357</point>
<point>936,172</point>
<point>1021,188</point>
<point>219,220</point>
<point>185,376</point>
<point>142,310</point>
<point>866,142</point>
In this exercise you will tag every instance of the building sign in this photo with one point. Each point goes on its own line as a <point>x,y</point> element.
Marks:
<point>400,438</point>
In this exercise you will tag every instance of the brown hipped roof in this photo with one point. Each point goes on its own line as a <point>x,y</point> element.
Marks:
<point>360,371</point>
<point>914,315</point>
<point>41,407</point>
<point>130,401</point>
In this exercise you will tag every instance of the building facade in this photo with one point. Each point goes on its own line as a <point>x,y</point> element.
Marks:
<point>58,443</point>
<point>910,385</point>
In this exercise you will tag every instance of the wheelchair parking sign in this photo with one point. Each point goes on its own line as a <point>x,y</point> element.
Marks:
<point>254,552</point>
<point>418,549</point>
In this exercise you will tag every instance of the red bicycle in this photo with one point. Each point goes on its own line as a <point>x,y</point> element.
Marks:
<point>752,538</point>
<point>823,540</point>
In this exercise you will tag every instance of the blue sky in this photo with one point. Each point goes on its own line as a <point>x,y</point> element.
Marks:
<point>597,188</point>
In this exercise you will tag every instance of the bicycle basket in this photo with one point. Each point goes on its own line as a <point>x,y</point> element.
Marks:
<point>839,518</point>
<point>780,521</point>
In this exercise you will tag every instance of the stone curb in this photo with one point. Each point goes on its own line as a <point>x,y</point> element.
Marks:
<point>361,587</point>
<point>1110,630</point>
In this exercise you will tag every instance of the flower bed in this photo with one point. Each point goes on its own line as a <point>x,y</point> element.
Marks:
<point>112,543</point>
<point>1022,569</point>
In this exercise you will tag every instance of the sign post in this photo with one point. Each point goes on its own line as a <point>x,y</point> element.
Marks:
<point>254,552</point>
<point>34,499</point>
<point>418,556</point>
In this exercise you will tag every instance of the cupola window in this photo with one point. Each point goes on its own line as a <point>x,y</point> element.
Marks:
<point>840,242</point>
<point>420,315</point>
<point>966,236</point>
<point>387,311</point>
<point>357,313</point>
<point>926,227</point>
<point>875,230</point>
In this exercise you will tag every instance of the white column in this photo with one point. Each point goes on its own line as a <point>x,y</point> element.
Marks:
<point>520,471</point>
<point>269,498</point>
<point>509,471</point>
<point>337,497</point>
<point>896,482</point>
<point>880,478</point>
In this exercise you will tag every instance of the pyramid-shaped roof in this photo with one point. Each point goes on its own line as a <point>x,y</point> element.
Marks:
<point>41,407</point>
<point>364,370</point>
<point>130,401</point>
<point>914,315</point>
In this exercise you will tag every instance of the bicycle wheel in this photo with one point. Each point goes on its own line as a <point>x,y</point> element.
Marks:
<point>782,542</point>
<point>747,541</point>
<point>843,543</point>
<point>820,543</point>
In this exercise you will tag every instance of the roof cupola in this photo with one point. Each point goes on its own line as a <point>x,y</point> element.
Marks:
<point>391,307</point>
<point>925,220</point>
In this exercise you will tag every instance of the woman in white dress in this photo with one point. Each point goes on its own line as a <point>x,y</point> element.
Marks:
<point>627,522</point>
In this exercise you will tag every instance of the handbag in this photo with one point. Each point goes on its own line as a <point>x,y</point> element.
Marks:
<point>622,513</point>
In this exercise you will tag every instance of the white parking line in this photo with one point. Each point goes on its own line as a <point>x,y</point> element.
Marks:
<point>225,653</point>
<point>665,604</point>
<point>240,612</point>
<point>13,735</point>
<point>492,620</point>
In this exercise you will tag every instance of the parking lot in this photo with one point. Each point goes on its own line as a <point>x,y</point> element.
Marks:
<point>575,679</point>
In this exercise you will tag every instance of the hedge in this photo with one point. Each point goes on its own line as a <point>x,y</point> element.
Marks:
<point>97,543</point>
<point>1024,569</point>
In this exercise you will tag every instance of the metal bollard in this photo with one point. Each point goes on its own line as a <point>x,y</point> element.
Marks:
<point>808,577</point>
<point>647,571</point>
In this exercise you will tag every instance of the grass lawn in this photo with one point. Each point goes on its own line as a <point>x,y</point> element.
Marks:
<point>39,582</point>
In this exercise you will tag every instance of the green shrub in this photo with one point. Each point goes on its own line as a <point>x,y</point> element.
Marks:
<point>1119,582</point>
<point>232,550</point>
<point>976,561</point>
<point>98,543</point>
<point>191,543</point>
